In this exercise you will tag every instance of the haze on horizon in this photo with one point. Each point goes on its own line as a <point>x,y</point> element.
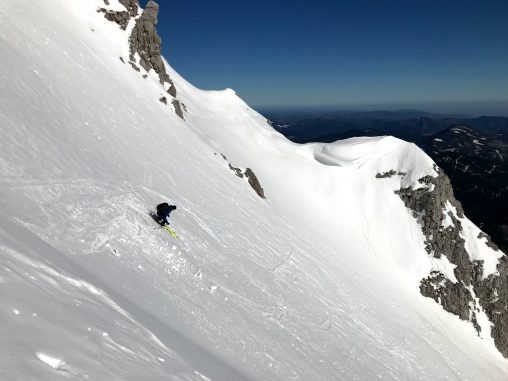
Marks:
<point>446,57</point>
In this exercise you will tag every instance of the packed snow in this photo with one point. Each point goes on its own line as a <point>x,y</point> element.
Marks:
<point>317,282</point>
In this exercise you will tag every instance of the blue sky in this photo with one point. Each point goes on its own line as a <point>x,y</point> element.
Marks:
<point>344,53</point>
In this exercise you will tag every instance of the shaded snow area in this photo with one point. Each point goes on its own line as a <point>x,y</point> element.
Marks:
<point>319,281</point>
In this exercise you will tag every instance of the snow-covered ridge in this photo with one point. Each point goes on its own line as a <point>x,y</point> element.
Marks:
<point>320,280</point>
<point>378,154</point>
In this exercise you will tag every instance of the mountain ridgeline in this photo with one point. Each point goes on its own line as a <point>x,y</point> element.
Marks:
<point>473,152</point>
<point>472,287</point>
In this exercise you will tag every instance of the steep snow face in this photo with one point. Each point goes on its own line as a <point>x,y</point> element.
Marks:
<point>317,281</point>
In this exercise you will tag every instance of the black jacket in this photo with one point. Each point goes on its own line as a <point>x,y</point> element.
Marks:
<point>164,210</point>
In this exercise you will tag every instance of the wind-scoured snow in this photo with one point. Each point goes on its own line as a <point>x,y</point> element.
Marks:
<point>317,282</point>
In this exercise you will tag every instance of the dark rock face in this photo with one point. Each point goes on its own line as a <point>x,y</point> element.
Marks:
<point>131,5</point>
<point>134,66</point>
<point>254,183</point>
<point>471,290</point>
<point>384,175</point>
<point>389,174</point>
<point>121,18</point>
<point>163,100</point>
<point>238,172</point>
<point>493,294</point>
<point>490,244</point>
<point>251,178</point>
<point>172,90</point>
<point>178,108</point>
<point>431,205</point>
<point>450,295</point>
<point>145,41</point>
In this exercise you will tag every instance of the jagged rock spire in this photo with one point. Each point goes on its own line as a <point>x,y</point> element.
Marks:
<point>145,42</point>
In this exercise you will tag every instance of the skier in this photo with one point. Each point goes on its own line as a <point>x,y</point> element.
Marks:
<point>163,212</point>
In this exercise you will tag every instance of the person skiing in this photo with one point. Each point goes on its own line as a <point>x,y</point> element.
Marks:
<point>163,212</point>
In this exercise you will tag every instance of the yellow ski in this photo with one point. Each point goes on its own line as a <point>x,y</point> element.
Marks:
<point>170,231</point>
<point>165,227</point>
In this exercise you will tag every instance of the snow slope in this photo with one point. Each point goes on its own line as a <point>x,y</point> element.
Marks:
<point>317,282</point>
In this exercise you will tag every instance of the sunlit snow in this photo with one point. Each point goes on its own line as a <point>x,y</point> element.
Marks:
<point>317,282</point>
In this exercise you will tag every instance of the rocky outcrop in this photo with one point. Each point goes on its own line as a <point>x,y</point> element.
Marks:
<point>178,108</point>
<point>131,6</point>
<point>122,18</point>
<point>172,90</point>
<point>254,182</point>
<point>440,214</point>
<point>249,175</point>
<point>134,66</point>
<point>430,205</point>
<point>490,244</point>
<point>145,43</point>
<point>389,174</point>
<point>493,295</point>
<point>238,171</point>
<point>450,295</point>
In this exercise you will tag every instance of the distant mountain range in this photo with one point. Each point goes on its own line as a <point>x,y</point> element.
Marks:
<point>476,161</point>
<point>472,151</point>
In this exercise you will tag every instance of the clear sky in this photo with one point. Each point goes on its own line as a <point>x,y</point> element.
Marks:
<point>344,53</point>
